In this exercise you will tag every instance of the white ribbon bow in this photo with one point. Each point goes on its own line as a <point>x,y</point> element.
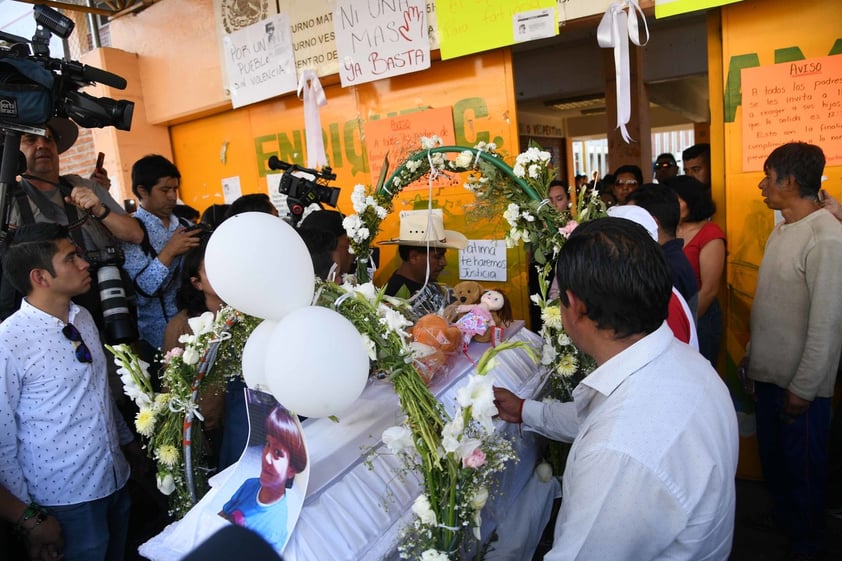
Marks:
<point>314,97</point>
<point>612,33</point>
<point>186,406</point>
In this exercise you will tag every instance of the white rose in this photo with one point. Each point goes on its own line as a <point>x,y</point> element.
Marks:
<point>479,499</point>
<point>190,356</point>
<point>434,555</point>
<point>421,507</point>
<point>166,484</point>
<point>464,159</point>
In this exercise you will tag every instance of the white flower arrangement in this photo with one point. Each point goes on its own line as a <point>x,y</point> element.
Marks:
<point>457,484</point>
<point>161,416</point>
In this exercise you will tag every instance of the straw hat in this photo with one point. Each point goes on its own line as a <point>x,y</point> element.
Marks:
<point>414,231</point>
<point>64,131</point>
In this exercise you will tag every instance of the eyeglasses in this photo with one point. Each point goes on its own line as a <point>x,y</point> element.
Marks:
<point>628,182</point>
<point>83,353</point>
<point>665,165</point>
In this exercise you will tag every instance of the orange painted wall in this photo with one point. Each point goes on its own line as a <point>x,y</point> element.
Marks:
<point>479,90</point>
<point>769,31</point>
<point>178,65</point>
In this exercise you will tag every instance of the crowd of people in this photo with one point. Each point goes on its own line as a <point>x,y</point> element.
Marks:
<point>651,471</point>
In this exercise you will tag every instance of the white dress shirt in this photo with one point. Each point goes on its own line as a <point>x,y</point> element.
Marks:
<point>59,436</point>
<point>651,472</point>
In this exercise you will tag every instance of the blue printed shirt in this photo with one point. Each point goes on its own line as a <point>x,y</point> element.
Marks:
<point>155,283</point>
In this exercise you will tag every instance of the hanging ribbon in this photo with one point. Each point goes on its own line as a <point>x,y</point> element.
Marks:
<point>314,97</point>
<point>614,31</point>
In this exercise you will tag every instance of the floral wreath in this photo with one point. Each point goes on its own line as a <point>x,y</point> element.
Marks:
<point>523,192</point>
<point>458,471</point>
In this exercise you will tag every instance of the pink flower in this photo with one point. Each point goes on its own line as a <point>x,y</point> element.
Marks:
<point>568,228</point>
<point>172,353</point>
<point>475,460</point>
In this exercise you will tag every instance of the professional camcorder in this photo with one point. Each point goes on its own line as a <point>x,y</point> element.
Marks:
<point>35,87</point>
<point>301,192</point>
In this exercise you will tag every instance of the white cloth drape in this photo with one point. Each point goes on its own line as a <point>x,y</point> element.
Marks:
<point>314,97</point>
<point>614,31</point>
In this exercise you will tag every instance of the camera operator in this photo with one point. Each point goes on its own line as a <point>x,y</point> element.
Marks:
<point>98,224</point>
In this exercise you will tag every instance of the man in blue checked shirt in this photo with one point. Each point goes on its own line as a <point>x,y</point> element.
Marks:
<point>153,264</point>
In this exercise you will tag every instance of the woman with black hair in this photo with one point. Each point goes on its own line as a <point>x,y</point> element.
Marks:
<point>704,246</point>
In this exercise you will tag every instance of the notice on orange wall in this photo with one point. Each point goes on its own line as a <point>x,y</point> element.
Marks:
<point>792,101</point>
<point>401,135</point>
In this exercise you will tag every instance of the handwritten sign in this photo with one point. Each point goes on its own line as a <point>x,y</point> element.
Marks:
<point>380,38</point>
<point>471,26</point>
<point>401,135</point>
<point>483,260</point>
<point>792,101</point>
<point>313,38</point>
<point>258,61</point>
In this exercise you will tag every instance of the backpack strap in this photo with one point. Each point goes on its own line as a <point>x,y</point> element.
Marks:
<point>149,251</point>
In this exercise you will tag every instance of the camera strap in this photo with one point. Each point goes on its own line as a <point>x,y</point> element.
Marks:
<point>24,210</point>
<point>149,251</point>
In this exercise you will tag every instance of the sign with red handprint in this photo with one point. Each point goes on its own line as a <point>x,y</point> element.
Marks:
<point>378,39</point>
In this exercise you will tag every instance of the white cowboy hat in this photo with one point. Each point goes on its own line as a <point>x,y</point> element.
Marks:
<point>414,231</point>
<point>638,215</point>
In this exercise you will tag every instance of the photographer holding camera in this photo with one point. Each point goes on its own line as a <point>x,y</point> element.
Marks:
<point>153,263</point>
<point>97,223</point>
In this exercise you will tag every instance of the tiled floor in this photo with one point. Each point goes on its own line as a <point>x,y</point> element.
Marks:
<point>749,544</point>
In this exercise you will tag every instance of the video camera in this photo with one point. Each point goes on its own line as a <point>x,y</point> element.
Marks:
<point>35,87</point>
<point>301,192</point>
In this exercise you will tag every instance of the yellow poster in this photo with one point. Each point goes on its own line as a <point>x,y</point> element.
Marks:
<point>472,26</point>
<point>666,8</point>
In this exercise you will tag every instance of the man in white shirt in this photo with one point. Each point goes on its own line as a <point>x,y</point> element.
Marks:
<point>60,433</point>
<point>651,471</point>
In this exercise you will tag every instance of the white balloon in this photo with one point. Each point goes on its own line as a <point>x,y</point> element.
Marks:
<point>317,363</point>
<point>254,354</point>
<point>258,264</point>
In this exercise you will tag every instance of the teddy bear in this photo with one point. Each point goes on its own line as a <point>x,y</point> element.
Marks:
<point>433,340</point>
<point>480,320</point>
<point>465,294</point>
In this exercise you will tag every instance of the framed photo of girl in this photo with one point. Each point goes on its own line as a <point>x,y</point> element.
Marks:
<point>266,491</point>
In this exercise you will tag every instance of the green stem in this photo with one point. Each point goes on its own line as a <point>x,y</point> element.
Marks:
<point>483,155</point>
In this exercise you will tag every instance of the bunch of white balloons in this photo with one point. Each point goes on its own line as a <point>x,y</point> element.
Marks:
<point>311,358</point>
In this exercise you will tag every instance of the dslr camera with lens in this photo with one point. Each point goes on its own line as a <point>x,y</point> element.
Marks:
<point>119,324</point>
